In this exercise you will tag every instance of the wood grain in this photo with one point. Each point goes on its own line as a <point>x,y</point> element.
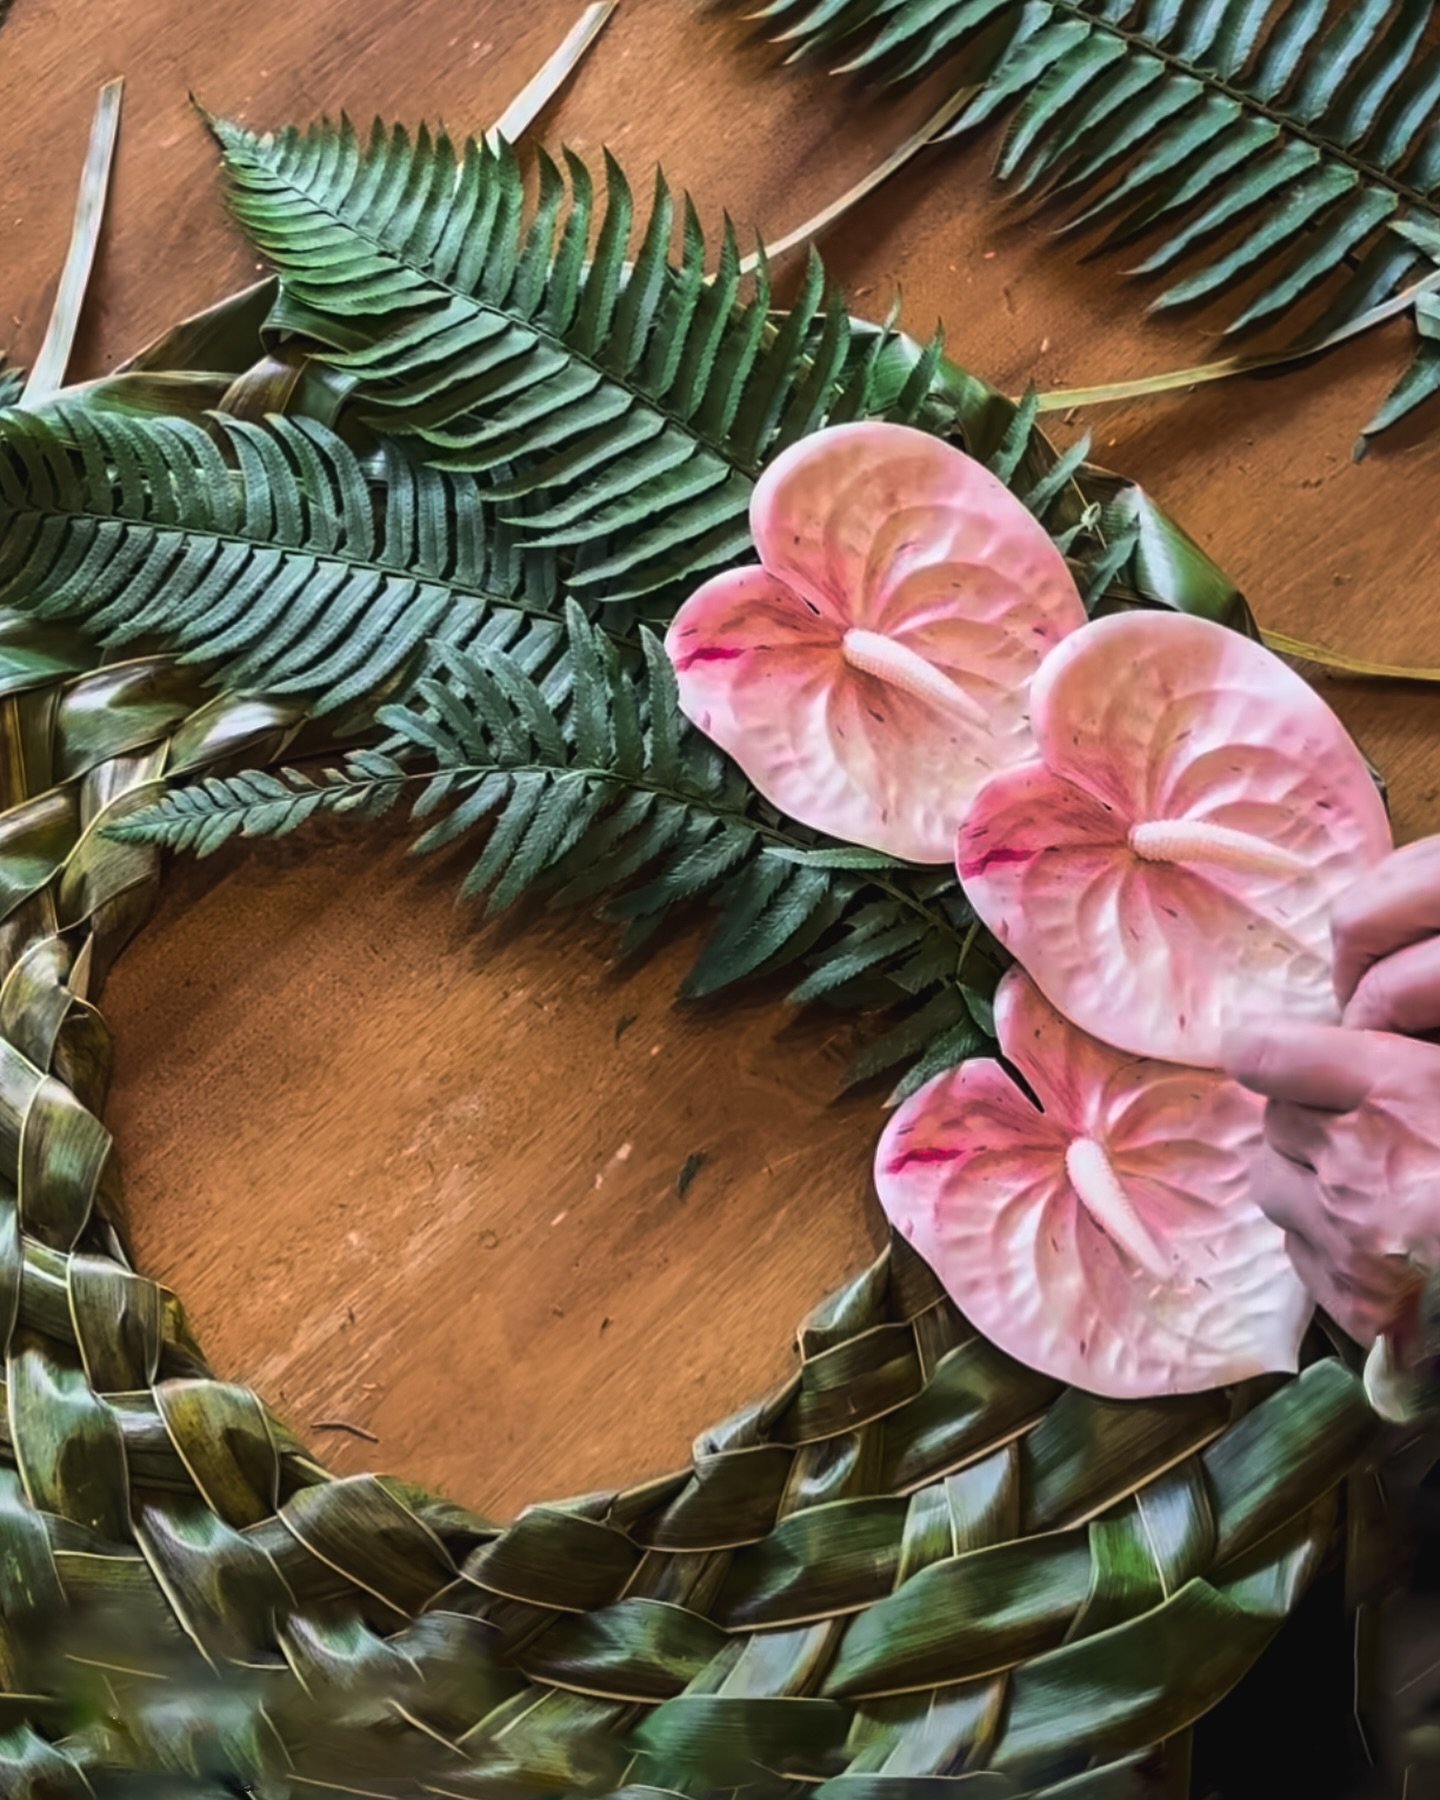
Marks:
<point>411,1174</point>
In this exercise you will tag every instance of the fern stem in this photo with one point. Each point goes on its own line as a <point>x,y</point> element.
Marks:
<point>486,601</point>
<point>340,788</point>
<point>605,371</point>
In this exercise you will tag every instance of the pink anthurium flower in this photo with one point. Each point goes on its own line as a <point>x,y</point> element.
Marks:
<point>1108,1236</point>
<point>873,672</point>
<point>1166,870</point>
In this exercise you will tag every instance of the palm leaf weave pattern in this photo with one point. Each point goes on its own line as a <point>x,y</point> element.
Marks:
<point>916,1559</point>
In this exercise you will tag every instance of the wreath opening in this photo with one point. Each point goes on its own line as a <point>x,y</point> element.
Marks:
<point>589,1282</point>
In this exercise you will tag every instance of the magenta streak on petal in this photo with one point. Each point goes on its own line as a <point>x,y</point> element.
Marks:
<point>1110,1206</point>
<point>937,1154</point>
<point>888,660</point>
<point>979,864</point>
<point>710,653</point>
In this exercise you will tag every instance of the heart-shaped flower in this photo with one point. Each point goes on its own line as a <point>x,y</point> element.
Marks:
<point>1107,1236</point>
<point>873,672</point>
<point>1167,869</point>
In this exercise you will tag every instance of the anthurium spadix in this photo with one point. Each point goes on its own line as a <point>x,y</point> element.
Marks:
<point>1166,869</point>
<point>1108,1236</point>
<point>873,672</point>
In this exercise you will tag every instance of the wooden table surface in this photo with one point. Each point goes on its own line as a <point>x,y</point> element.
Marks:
<point>419,1175</point>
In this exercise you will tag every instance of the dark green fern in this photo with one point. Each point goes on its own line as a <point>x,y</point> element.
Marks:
<point>598,789</point>
<point>267,555</point>
<point>1269,144</point>
<point>287,562</point>
<point>263,552</point>
<point>622,409</point>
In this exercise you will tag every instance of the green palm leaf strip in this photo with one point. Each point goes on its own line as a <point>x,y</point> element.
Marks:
<point>1261,144</point>
<point>622,408</point>
<point>593,785</point>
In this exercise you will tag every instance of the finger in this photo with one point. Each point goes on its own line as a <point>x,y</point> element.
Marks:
<point>1400,993</point>
<point>1296,1133</point>
<point>1289,1197</point>
<point>1396,904</point>
<point>1362,1308</point>
<point>1312,1065</point>
<point>1309,1265</point>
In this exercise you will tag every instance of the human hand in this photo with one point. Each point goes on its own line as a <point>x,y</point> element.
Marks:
<point>1353,1121</point>
<point>1386,933</point>
<point>1352,1172</point>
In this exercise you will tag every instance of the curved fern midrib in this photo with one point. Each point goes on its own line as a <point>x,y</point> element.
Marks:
<point>1248,101</point>
<point>724,815</point>
<point>390,571</point>
<point>749,469</point>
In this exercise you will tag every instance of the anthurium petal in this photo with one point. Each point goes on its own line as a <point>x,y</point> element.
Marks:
<point>1110,1239</point>
<point>1172,872</point>
<point>765,677</point>
<point>747,616</point>
<point>898,530</point>
<point>921,599</point>
<point>1068,1070</point>
<point>1126,948</point>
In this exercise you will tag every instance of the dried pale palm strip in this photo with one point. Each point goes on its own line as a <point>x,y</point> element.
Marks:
<point>542,88</point>
<point>48,374</point>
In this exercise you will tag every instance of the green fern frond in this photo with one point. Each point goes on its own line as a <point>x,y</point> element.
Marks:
<point>616,413</point>
<point>599,788</point>
<point>12,381</point>
<point>1269,144</point>
<point>274,556</point>
<point>264,552</point>
<point>620,410</point>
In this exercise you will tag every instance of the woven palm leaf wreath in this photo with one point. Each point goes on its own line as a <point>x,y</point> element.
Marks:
<point>411,513</point>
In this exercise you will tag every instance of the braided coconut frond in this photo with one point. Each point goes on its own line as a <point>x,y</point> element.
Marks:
<point>917,1559</point>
